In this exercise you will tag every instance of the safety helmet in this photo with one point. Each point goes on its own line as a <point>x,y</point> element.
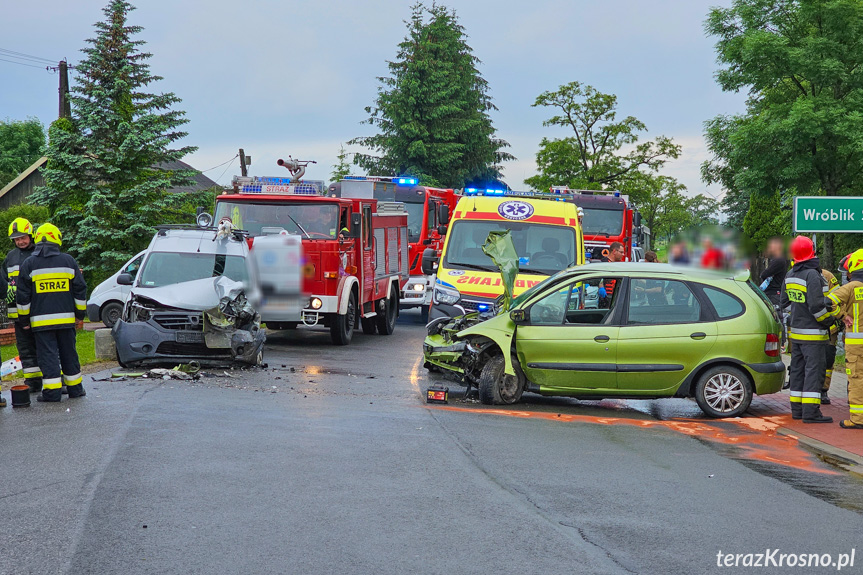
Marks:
<point>20,227</point>
<point>49,233</point>
<point>853,262</point>
<point>802,249</point>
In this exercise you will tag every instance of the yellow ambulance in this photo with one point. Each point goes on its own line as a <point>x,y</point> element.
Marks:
<point>546,232</point>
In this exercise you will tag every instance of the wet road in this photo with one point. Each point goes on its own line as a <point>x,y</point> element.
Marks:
<point>329,462</point>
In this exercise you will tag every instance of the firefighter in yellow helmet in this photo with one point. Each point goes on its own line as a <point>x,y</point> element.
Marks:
<point>51,296</point>
<point>21,234</point>
<point>849,298</point>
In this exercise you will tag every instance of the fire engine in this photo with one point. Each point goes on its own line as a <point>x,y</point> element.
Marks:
<point>355,248</point>
<point>428,212</point>
<point>609,217</point>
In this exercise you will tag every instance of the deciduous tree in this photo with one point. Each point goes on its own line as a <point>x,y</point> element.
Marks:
<point>21,144</point>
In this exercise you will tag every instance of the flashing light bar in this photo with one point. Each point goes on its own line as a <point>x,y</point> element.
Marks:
<point>566,190</point>
<point>406,181</point>
<point>509,193</point>
<point>277,185</point>
<point>398,180</point>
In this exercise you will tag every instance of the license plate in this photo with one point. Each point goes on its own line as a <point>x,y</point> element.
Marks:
<point>190,337</point>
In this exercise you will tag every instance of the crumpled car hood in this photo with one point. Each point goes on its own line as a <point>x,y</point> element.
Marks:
<point>196,295</point>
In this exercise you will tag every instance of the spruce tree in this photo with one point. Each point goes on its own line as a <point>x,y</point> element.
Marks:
<point>432,112</point>
<point>103,183</point>
<point>342,167</point>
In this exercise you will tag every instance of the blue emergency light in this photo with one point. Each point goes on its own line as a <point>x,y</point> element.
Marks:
<point>483,307</point>
<point>406,181</point>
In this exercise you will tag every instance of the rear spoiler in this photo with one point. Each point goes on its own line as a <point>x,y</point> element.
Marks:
<point>742,276</point>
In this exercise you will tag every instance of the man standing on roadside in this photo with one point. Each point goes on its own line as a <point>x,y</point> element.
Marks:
<point>850,300</point>
<point>21,234</point>
<point>51,295</point>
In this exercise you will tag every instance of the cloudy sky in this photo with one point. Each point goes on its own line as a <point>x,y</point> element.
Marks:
<point>292,77</point>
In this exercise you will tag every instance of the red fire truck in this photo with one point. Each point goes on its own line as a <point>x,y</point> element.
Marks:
<point>428,212</point>
<point>355,250</point>
<point>608,217</point>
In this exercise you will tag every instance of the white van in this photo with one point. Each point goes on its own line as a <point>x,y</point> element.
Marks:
<point>107,300</point>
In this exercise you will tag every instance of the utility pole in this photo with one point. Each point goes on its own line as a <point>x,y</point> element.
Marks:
<point>65,106</point>
<point>243,166</point>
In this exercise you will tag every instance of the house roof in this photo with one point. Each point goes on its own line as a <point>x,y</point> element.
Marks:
<point>200,181</point>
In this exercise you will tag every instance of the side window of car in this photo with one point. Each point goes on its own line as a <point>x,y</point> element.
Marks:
<point>585,302</point>
<point>725,304</point>
<point>551,309</point>
<point>134,265</point>
<point>656,302</point>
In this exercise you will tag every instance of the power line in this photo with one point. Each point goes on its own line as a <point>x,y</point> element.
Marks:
<point>15,54</point>
<point>22,64</point>
<point>220,165</point>
<point>228,168</point>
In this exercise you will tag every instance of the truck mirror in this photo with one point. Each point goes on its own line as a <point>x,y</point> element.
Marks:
<point>356,225</point>
<point>441,230</point>
<point>636,219</point>
<point>443,214</point>
<point>517,316</point>
<point>430,261</point>
<point>427,242</point>
<point>124,279</point>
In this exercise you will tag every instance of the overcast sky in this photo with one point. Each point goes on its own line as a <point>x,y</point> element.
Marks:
<point>292,77</point>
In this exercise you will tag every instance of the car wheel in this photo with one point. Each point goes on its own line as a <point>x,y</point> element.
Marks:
<point>497,388</point>
<point>723,391</point>
<point>369,325</point>
<point>386,321</point>
<point>342,326</point>
<point>111,312</point>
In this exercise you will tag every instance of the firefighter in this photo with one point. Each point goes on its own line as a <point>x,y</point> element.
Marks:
<point>51,295</point>
<point>808,333</point>
<point>829,283</point>
<point>850,299</point>
<point>21,234</point>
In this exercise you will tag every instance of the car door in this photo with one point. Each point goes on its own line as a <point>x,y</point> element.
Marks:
<point>564,347</point>
<point>664,335</point>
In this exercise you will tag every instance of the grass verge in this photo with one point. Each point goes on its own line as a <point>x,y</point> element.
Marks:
<point>85,341</point>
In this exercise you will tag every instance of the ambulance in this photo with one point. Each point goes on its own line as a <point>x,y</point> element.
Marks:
<point>546,232</point>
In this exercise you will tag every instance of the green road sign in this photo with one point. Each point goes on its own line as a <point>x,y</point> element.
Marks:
<point>814,214</point>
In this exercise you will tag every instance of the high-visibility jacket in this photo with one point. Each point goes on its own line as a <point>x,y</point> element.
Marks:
<point>51,290</point>
<point>829,283</point>
<point>849,299</point>
<point>11,267</point>
<point>811,313</point>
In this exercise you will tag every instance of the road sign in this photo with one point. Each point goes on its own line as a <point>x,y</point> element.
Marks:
<point>815,214</point>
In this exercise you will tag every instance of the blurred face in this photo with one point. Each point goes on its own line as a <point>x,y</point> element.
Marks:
<point>616,255</point>
<point>22,242</point>
<point>775,248</point>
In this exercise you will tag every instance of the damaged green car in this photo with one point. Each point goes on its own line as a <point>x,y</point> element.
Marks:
<point>619,330</point>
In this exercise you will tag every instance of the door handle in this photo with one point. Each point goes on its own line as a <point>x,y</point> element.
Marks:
<point>698,335</point>
<point>601,338</point>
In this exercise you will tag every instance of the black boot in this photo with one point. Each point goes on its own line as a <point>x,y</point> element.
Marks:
<point>818,418</point>
<point>49,395</point>
<point>2,401</point>
<point>35,385</point>
<point>76,391</point>
<point>42,399</point>
<point>824,399</point>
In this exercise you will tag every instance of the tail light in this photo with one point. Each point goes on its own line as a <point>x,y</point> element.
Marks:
<point>771,345</point>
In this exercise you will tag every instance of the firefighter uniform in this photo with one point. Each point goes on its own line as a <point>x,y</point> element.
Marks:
<point>850,299</point>
<point>808,332</point>
<point>24,339</point>
<point>829,283</point>
<point>51,295</point>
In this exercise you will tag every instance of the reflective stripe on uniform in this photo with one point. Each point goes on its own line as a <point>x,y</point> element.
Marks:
<point>800,334</point>
<point>794,283</point>
<point>53,272</point>
<point>829,372</point>
<point>854,408</point>
<point>821,314</point>
<point>52,319</point>
<point>853,338</point>
<point>52,383</point>
<point>31,372</point>
<point>23,308</point>
<point>832,297</point>
<point>12,271</point>
<point>810,397</point>
<point>80,304</point>
<point>795,396</point>
<point>73,379</point>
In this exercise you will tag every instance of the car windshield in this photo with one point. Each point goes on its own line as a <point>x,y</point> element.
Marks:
<point>167,268</point>
<point>415,220</point>
<point>602,222</point>
<point>542,249</point>
<point>310,220</point>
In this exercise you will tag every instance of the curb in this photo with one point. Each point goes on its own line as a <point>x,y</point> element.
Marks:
<point>833,455</point>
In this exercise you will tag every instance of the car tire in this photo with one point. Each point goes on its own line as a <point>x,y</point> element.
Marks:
<point>110,313</point>
<point>342,325</point>
<point>369,325</point>
<point>386,318</point>
<point>723,391</point>
<point>497,388</point>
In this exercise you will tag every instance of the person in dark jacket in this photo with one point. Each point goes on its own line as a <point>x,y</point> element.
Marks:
<point>51,296</point>
<point>777,267</point>
<point>811,317</point>
<point>21,233</point>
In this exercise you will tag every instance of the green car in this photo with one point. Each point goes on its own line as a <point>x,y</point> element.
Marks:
<point>640,330</point>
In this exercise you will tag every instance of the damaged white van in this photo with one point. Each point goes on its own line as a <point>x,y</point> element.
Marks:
<point>189,301</point>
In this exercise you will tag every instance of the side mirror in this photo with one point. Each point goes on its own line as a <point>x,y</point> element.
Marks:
<point>441,230</point>
<point>636,219</point>
<point>125,279</point>
<point>517,316</point>
<point>443,214</point>
<point>430,261</point>
<point>356,224</point>
<point>427,241</point>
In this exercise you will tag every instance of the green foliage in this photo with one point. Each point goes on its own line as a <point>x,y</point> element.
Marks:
<point>342,167</point>
<point>801,64</point>
<point>34,214</point>
<point>602,151</point>
<point>21,144</point>
<point>763,220</point>
<point>432,112</point>
<point>104,186</point>
<point>665,208</point>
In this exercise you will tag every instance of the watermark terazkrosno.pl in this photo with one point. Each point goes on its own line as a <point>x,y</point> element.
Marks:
<point>776,558</point>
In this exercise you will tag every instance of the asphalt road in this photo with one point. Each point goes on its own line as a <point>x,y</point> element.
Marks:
<point>330,462</point>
